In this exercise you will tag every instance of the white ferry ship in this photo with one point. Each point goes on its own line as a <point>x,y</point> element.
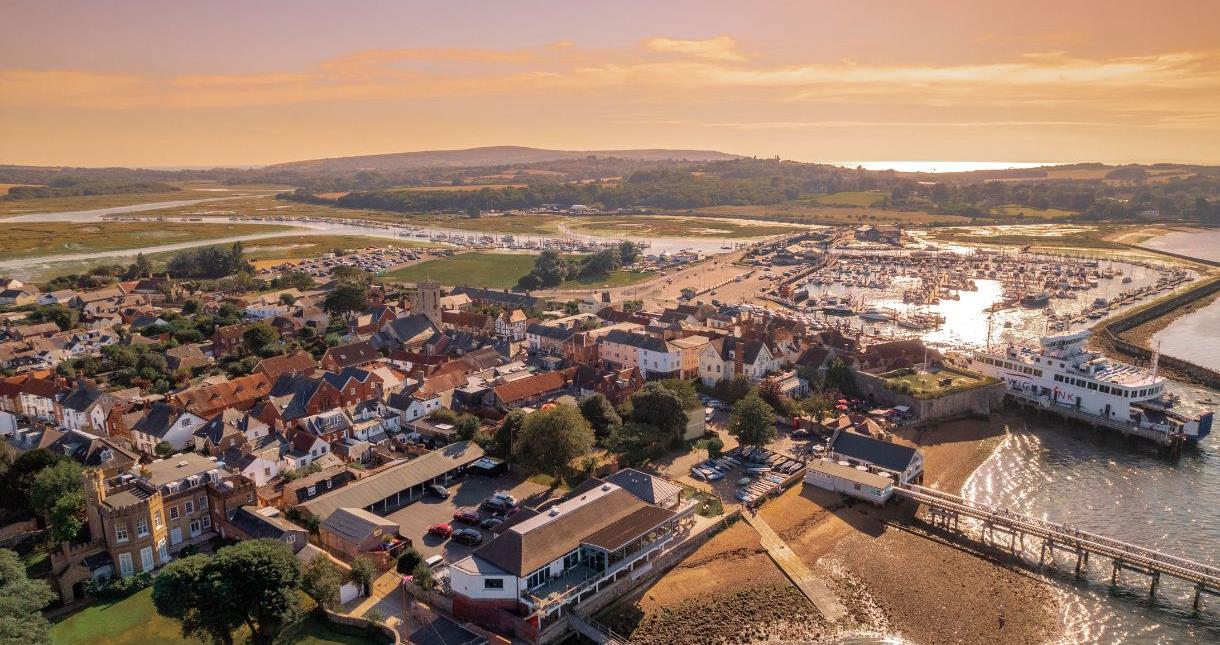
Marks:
<point>1064,375</point>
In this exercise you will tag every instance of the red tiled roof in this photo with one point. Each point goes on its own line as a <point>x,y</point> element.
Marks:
<point>530,386</point>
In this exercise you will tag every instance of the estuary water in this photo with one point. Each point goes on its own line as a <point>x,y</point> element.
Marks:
<point>1097,483</point>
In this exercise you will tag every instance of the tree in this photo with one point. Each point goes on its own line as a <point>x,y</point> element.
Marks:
<point>295,279</point>
<point>362,574</point>
<point>345,298</point>
<point>551,439</point>
<point>253,584</point>
<point>64,317</point>
<point>50,484</point>
<point>839,377</point>
<point>408,560</point>
<point>656,406</point>
<point>628,252</point>
<point>164,449</point>
<point>501,444</point>
<point>321,580</point>
<point>596,409</point>
<point>752,421</point>
<point>550,268</point>
<point>684,390</point>
<point>422,575</point>
<point>348,274</point>
<point>67,517</point>
<point>732,390</point>
<point>19,478</point>
<point>21,603</point>
<point>258,336</point>
<point>141,268</point>
<point>635,442</point>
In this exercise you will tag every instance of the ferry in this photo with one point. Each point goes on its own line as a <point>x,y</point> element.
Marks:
<point>1063,375</point>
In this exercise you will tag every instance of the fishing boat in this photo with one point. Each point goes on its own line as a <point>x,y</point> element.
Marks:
<point>877,315</point>
<point>1035,300</point>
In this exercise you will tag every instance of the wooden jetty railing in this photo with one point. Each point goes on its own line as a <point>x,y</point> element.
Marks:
<point>947,509</point>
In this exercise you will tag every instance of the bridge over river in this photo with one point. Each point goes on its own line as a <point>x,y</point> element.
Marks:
<point>946,511</point>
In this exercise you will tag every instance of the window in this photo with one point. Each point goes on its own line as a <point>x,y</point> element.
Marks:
<point>267,471</point>
<point>162,551</point>
<point>311,491</point>
<point>290,538</point>
<point>173,512</point>
<point>141,527</point>
<point>125,567</point>
<point>157,523</point>
<point>146,559</point>
<point>207,521</point>
<point>203,502</point>
<point>189,506</point>
<point>120,534</point>
<point>493,583</point>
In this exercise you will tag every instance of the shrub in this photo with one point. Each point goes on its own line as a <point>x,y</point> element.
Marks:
<point>408,560</point>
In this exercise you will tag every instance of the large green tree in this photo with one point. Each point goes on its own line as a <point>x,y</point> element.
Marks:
<point>21,603</point>
<point>753,421</point>
<point>600,414</point>
<point>347,297</point>
<point>550,439</point>
<point>252,584</point>
<point>321,580</point>
<point>660,408</point>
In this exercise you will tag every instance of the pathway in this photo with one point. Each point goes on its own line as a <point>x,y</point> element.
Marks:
<point>384,585</point>
<point>811,585</point>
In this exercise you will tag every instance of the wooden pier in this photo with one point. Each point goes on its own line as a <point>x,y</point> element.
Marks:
<point>946,511</point>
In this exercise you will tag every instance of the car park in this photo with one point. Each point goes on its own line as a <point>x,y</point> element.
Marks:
<point>466,515</point>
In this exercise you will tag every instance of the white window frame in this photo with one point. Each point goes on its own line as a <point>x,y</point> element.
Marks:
<point>141,527</point>
<point>189,506</point>
<point>126,566</point>
<point>146,559</point>
<point>173,512</point>
<point>157,521</point>
<point>203,502</point>
<point>120,533</point>
<point>162,551</point>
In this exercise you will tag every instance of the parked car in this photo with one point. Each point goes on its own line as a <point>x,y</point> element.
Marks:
<point>697,473</point>
<point>467,515</point>
<point>438,491</point>
<point>503,498</point>
<point>712,474</point>
<point>491,523</point>
<point>468,536</point>
<point>442,530</point>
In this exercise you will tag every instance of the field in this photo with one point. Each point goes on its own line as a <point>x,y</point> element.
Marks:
<point>266,206</point>
<point>806,213</point>
<point>134,621</point>
<point>295,247</point>
<point>1013,210</point>
<point>865,199</point>
<point>33,239</point>
<point>1085,237</point>
<point>497,271</point>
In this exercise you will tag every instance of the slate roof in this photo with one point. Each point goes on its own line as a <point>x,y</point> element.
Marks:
<point>548,331</point>
<point>640,341</point>
<point>644,486</point>
<point>157,419</point>
<point>84,396</point>
<point>351,354</point>
<point>888,455</point>
<point>547,536</point>
<point>389,482</point>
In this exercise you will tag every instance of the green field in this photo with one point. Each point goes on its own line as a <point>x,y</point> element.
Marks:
<point>664,226</point>
<point>134,621</point>
<point>33,239</point>
<point>861,198</point>
<point>498,271</point>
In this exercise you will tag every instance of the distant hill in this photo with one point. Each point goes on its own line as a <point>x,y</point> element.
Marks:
<point>487,156</point>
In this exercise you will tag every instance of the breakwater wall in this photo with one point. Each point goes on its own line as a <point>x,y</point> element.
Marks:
<point>1109,335</point>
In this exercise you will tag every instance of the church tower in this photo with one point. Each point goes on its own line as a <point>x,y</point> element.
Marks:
<point>427,301</point>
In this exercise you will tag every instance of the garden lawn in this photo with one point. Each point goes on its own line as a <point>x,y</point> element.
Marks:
<point>134,621</point>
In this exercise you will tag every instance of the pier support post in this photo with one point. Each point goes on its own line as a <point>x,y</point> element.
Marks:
<point>1114,576</point>
<point>1198,593</point>
<point>1156,578</point>
<point>1082,558</point>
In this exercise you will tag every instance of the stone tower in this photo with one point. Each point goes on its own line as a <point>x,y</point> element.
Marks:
<point>427,301</point>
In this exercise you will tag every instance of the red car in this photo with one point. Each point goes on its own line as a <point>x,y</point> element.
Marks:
<point>442,530</point>
<point>467,515</point>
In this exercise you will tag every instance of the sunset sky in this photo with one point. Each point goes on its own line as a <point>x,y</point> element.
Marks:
<point>254,82</point>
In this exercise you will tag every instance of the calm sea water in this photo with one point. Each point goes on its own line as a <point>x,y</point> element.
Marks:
<point>1194,337</point>
<point>1097,483</point>
<point>1196,244</point>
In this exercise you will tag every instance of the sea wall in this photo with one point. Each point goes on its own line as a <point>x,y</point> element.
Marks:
<point>1109,335</point>
<point>976,401</point>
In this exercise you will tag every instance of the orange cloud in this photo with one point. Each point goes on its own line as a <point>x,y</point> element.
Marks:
<point>719,48</point>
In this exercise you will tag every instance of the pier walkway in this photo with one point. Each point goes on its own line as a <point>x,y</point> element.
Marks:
<point>946,511</point>
<point>791,564</point>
